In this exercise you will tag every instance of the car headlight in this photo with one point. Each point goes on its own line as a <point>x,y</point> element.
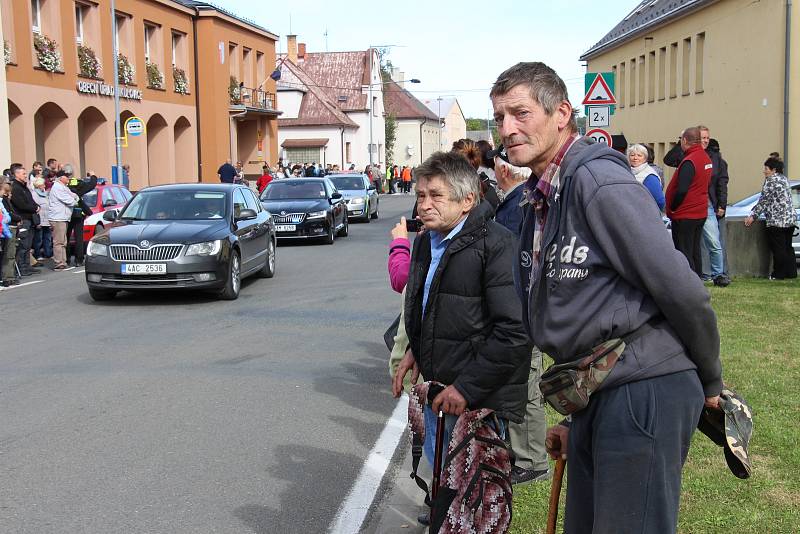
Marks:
<point>209,248</point>
<point>356,201</point>
<point>317,214</point>
<point>96,249</point>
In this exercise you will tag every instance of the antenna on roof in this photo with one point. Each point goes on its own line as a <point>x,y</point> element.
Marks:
<point>326,39</point>
<point>290,24</point>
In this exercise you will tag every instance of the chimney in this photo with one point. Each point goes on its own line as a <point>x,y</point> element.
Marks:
<point>401,81</point>
<point>291,48</point>
<point>301,52</point>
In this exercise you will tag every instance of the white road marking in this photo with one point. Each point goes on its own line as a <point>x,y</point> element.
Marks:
<point>23,285</point>
<point>79,272</point>
<point>68,269</point>
<point>354,509</point>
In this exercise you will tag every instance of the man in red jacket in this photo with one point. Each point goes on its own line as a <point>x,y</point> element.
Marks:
<point>687,198</point>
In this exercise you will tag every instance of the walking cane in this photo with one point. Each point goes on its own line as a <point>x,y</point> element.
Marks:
<point>555,488</point>
<point>438,451</point>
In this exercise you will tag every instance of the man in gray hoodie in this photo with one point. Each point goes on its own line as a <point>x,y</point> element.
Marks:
<point>595,263</point>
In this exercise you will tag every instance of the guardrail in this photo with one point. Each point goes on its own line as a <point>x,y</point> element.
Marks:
<point>254,98</point>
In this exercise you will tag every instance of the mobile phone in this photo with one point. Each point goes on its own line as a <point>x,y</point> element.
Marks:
<point>413,225</point>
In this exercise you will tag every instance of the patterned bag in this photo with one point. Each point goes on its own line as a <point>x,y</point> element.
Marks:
<point>475,495</point>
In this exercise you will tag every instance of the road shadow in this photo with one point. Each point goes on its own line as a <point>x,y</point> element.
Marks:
<point>303,467</point>
<point>163,297</point>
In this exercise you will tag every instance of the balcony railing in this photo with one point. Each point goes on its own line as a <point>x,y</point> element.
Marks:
<point>254,98</point>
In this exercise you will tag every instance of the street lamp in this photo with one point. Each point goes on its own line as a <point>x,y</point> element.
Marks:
<point>439,114</point>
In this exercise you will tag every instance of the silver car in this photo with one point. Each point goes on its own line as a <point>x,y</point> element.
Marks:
<point>743,208</point>
<point>359,195</point>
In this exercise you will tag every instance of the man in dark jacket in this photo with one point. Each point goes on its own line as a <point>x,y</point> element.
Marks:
<point>462,317</point>
<point>595,264</point>
<point>79,212</point>
<point>27,209</point>
<point>714,228</point>
<point>527,438</point>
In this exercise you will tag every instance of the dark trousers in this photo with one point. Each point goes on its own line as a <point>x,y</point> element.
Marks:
<point>779,240</point>
<point>75,226</point>
<point>43,242</point>
<point>24,245</point>
<point>686,235</point>
<point>625,454</point>
<point>7,270</point>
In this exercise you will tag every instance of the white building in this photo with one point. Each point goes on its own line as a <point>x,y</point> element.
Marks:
<point>454,125</point>
<point>417,132</point>
<point>332,105</point>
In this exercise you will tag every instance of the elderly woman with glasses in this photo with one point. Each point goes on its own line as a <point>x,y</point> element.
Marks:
<point>645,174</point>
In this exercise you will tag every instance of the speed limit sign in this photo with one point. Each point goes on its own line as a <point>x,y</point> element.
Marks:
<point>600,136</point>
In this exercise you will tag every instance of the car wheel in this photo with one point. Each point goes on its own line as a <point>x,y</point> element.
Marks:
<point>268,271</point>
<point>375,215</point>
<point>330,237</point>
<point>102,294</point>
<point>345,229</point>
<point>234,281</point>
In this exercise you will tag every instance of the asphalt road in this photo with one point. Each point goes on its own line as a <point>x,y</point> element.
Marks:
<point>172,412</point>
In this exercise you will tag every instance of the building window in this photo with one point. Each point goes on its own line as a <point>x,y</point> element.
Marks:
<point>622,91</point>
<point>662,72</point>
<point>347,155</point>
<point>303,155</point>
<point>148,35</point>
<point>79,20</point>
<point>673,70</point>
<point>374,106</point>
<point>642,73</point>
<point>699,52</point>
<point>178,55</point>
<point>247,75</point>
<point>260,69</point>
<point>632,90</point>
<point>651,76</point>
<point>36,16</point>
<point>233,60</point>
<point>686,61</point>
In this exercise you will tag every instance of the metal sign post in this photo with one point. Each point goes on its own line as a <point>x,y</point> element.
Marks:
<point>117,125</point>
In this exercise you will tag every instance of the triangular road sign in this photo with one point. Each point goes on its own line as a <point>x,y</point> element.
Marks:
<point>599,93</point>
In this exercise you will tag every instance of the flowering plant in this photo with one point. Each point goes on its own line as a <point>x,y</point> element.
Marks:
<point>89,64</point>
<point>181,81</point>
<point>6,52</point>
<point>47,52</point>
<point>125,70</point>
<point>155,80</point>
<point>235,91</point>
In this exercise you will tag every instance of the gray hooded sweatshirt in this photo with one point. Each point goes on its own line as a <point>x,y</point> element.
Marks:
<point>608,266</point>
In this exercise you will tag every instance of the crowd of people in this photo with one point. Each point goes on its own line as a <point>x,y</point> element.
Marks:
<point>553,243</point>
<point>42,214</point>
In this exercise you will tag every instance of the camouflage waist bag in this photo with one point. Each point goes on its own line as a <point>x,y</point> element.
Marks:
<point>568,386</point>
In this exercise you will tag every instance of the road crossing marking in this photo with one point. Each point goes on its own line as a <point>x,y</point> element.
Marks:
<point>22,285</point>
<point>354,509</point>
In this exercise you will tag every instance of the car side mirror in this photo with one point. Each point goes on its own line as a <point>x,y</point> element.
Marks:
<point>371,188</point>
<point>110,215</point>
<point>336,196</point>
<point>246,215</point>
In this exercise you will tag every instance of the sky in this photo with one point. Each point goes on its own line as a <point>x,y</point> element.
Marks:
<point>454,48</point>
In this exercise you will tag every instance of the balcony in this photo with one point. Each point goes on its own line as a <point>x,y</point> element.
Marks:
<point>255,99</point>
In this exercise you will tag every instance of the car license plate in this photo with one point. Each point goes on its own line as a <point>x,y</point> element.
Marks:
<point>144,268</point>
<point>285,227</point>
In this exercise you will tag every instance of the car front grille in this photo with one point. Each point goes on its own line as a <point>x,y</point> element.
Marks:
<point>154,253</point>
<point>291,218</point>
<point>148,279</point>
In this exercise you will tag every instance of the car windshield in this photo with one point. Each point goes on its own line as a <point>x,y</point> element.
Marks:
<point>175,205</point>
<point>90,198</point>
<point>348,183</point>
<point>293,189</point>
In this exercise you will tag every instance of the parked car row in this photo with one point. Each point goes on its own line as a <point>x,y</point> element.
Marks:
<point>211,236</point>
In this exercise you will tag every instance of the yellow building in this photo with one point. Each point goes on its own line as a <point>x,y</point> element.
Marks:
<point>720,63</point>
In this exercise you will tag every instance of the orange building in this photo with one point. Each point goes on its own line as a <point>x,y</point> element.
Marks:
<point>193,73</point>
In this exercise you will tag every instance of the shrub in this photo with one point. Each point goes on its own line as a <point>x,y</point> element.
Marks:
<point>181,81</point>
<point>88,62</point>
<point>126,72</point>
<point>47,52</point>
<point>155,79</point>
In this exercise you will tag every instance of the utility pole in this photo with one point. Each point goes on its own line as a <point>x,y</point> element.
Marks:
<point>117,125</point>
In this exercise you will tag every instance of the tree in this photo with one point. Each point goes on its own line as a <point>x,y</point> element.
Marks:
<point>390,123</point>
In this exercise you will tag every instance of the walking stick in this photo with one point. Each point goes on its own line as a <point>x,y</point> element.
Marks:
<point>555,494</point>
<point>438,450</point>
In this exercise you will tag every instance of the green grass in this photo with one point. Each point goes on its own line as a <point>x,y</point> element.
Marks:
<point>759,323</point>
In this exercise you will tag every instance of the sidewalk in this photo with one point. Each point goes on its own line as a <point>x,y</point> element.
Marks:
<point>402,502</point>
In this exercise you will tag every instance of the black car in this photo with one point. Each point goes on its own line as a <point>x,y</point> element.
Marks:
<point>306,208</point>
<point>188,236</point>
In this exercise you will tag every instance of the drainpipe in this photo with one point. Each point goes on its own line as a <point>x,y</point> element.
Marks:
<point>787,73</point>
<point>421,126</point>
<point>197,97</point>
<point>341,144</point>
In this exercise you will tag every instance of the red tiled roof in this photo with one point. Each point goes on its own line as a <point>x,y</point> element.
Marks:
<point>340,74</point>
<point>316,108</point>
<point>304,143</point>
<point>403,105</point>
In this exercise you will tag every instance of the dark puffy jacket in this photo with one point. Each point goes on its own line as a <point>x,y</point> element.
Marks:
<point>472,335</point>
<point>718,186</point>
<point>22,200</point>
